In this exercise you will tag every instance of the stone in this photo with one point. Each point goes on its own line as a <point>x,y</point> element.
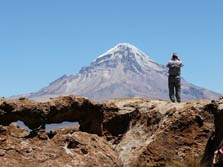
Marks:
<point>2,153</point>
<point>120,132</point>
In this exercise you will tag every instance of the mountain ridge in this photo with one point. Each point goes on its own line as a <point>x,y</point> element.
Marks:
<point>122,71</point>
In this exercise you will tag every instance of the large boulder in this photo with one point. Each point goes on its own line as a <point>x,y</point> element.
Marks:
<point>156,131</point>
<point>68,108</point>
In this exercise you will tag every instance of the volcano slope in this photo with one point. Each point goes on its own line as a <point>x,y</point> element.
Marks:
<point>123,71</point>
<point>126,132</point>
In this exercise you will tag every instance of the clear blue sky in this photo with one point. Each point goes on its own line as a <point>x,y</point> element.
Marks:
<point>42,40</point>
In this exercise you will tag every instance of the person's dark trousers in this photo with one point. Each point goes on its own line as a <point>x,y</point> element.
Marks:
<point>174,87</point>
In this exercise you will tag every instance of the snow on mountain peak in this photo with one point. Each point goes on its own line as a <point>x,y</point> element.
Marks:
<point>123,47</point>
<point>124,52</point>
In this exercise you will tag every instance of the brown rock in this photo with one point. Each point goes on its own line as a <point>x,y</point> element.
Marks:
<point>71,149</point>
<point>2,153</point>
<point>58,110</point>
<point>161,130</point>
<point>42,134</point>
<point>121,132</point>
<point>216,139</point>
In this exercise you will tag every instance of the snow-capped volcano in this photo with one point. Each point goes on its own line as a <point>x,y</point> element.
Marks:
<point>123,71</point>
<point>124,50</point>
<point>126,53</point>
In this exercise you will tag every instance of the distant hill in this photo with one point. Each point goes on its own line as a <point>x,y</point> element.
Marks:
<point>123,71</point>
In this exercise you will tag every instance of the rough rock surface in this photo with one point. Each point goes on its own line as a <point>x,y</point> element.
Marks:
<point>67,148</point>
<point>216,140</point>
<point>69,108</point>
<point>160,131</point>
<point>130,132</point>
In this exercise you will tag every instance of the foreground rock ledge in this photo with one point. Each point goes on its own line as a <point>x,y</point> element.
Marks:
<point>68,108</point>
<point>121,132</point>
<point>68,148</point>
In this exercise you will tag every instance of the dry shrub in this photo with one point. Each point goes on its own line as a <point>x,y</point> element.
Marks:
<point>190,161</point>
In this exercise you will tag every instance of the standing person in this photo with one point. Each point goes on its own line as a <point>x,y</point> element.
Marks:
<point>174,83</point>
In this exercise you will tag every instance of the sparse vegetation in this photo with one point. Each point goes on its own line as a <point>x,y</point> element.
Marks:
<point>190,161</point>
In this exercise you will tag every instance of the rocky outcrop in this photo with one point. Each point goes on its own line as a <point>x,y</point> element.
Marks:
<point>216,140</point>
<point>68,148</point>
<point>131,132</point>
<point>69,108</point>
<point>160,131</point>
